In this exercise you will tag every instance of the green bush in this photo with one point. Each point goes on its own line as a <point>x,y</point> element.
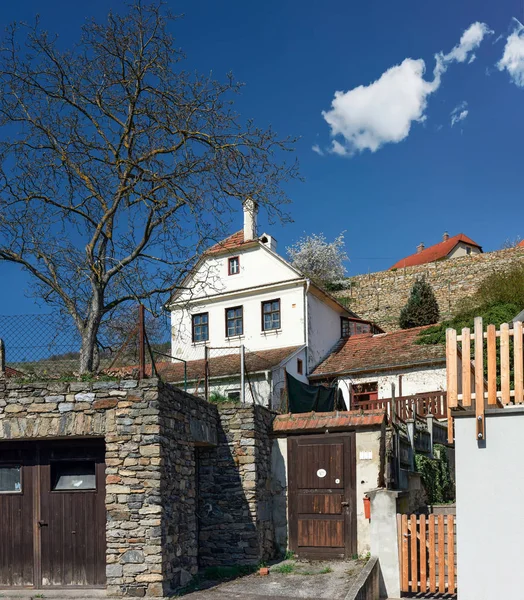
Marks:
<point>436,476</point>
<point>421,308</point>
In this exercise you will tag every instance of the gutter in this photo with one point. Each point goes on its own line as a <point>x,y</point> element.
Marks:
<point>432,361</point>
<point>306,323</point>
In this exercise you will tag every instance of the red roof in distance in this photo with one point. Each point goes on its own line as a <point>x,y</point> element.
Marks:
<point>435,252</point>
<point>234,241</point>
<point>521,244</point>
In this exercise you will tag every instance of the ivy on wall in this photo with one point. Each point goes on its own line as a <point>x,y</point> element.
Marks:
<point>436,476</point>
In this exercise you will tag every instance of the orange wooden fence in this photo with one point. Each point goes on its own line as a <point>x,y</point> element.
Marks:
<point>407,407</point>
<point>504,380</point>
<point>427,551</point>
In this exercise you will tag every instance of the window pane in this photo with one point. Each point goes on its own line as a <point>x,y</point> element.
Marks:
<point>276,305</point>
<point>77,475</point>
<point>10,479</point>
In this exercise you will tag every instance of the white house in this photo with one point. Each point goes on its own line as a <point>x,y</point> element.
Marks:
<point>365,366</point>
<point>243,298</point>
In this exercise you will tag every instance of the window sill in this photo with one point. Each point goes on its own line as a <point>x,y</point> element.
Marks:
<point>271,332</point>
<point>235,338</point>
<point>194,344</point>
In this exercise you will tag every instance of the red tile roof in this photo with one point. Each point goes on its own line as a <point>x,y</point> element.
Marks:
<point>327,420</point>
<point>440,250</point>
<point>10,372</point>
<point>521,243</point>
<point>368,352</point>
<point>219,366</point>
<point>234,241</point>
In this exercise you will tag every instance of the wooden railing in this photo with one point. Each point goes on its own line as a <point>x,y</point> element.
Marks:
<point>427,552</point>
<point>497,358</point>
<point>408,407</point>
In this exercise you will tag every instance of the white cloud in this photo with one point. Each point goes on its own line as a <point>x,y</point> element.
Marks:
<point>459,113</point>
<point>367,117</point>
<point>316,148</point>
<point>513,58</point>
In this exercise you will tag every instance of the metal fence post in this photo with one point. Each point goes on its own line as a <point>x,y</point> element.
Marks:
<point>243,375</point>
<point>2,357</point>
<point>206,372</point>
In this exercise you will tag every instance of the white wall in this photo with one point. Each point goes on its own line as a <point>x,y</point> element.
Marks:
<point>490,519</point>
<point>461,250</point>
<point>258,393</point>
<point>324,329</point>
<point>367,445</point>
<point>278,378</point>
<point>291,332</point>
<point>414,381</point>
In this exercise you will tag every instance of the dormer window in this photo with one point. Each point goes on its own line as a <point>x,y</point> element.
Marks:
<point>233,265</point>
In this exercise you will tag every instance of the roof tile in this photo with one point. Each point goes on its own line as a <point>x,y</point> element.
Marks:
<point>328,420</point>
<point>234,241</point>
<point>440,250</point>
<point>368,352</point>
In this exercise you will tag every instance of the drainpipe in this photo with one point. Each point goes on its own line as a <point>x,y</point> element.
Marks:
<point>306,323</point>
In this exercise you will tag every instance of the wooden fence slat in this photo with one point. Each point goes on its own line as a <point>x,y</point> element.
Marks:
<point>518,362</point>
<point>504,363</point>
<point>414,555</point>
<point>432,555</point>
<point>423,573</point>
<point>405,554</point>
<point>441,556</point>
<point>451,554</point>
<point>451,367</point>
<point>466,367</point>
<point>479,377</point>
<point>492,364</point>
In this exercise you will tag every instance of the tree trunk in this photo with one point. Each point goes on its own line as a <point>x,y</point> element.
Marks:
<point>89,359</point>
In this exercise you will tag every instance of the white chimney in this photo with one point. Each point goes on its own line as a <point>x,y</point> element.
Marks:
<point>445,237</point>
<point>250,220</point>
<point>420,247</point>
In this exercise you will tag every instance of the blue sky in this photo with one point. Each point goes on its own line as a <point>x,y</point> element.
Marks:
<point>293,57</point>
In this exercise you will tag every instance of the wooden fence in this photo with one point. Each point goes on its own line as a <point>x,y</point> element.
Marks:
<point>427,552</point>
<point>407,407</point>
<point>498,369</point>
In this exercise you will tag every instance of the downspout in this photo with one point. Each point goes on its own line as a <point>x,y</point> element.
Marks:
<point>306,323</point>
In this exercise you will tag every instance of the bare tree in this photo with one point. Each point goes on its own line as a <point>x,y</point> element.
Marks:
<point>511,243</point>
<point>319,259</point>
<point>117,167</point>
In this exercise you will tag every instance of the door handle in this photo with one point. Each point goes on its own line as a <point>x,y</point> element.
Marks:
<point>344,503</point>
<point>42,524</point>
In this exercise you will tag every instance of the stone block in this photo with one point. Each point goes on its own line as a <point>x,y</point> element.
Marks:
<point>85,397</point>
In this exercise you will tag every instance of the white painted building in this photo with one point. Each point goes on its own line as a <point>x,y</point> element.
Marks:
<point>242,294</point>
<point>366,366</point>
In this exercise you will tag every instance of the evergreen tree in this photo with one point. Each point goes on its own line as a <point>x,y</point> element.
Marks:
<point>421,308</point>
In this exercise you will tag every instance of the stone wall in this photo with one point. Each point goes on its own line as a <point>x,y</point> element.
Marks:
<point>380,296</point>
<point>154,436</point>
<point>234,508</point>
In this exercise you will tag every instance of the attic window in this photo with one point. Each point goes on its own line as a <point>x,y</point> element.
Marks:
<point>300,366</point>
<point>468,250</point>
<point>233,265</point>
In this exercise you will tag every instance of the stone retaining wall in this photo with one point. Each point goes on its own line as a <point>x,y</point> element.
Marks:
<point>380,296</point>
<point>234,507</point>
<point>151,431</point>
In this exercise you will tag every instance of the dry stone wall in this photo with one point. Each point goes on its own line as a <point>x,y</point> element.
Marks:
<point>234,509</point>
<point>153,435</point>
<point>380,296</point>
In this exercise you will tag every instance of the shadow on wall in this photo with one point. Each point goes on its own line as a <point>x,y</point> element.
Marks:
<point>234,505</point>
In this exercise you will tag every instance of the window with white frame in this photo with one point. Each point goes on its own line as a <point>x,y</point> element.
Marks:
<point>233,265</point>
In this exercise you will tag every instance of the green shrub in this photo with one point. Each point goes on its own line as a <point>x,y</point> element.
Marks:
<point>436,476</point>
<point>421,308</point>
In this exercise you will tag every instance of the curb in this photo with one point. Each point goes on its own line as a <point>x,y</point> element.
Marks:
<point>364,588</point>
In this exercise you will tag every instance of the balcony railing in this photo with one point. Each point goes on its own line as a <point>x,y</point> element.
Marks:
<point>409,407</point>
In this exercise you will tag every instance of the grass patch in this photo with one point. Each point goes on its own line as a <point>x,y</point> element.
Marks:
<point>285,569</point>
<point>326,570</point>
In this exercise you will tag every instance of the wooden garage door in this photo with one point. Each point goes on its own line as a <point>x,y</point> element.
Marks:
<point>322,509</point>
<point>55,533</point>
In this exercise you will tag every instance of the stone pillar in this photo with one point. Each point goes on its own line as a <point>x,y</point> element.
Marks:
<point>384,544</point>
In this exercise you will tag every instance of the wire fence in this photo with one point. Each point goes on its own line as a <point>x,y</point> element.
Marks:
<point>48,347</point>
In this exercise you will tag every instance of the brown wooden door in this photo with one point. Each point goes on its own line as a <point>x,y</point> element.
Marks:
<point>16,516</point>
<point>322,510</point>
<point>54,535</point>
<point>72,515</point>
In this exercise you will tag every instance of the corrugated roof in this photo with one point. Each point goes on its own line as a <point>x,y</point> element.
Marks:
<point>327,420</point>
<point>368,352</point>
<point>219,366</point>
<point>435,252</point>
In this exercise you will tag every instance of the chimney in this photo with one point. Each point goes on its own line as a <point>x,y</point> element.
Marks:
<point>445,237</point>
<point>420,247</point>
<point>250,220</point>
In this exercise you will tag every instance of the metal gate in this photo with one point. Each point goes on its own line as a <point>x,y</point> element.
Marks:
<point>322,511</point>
<point>427,552</point>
